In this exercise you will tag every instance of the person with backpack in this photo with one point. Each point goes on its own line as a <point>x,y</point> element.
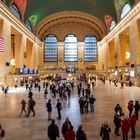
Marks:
<point>2,132</point>
<point>31,104</point>
<point>59,108</point>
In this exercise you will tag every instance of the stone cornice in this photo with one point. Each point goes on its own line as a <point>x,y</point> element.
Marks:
<point>6,13</point>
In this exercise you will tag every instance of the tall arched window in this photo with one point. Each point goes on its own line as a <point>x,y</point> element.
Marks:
<point>70,49</point>
<point>51,49</point>
<point>15,10</point>
<point>28,25</point>
<point>112,25</point>
<point>126,8</point>
<point>90,48</point>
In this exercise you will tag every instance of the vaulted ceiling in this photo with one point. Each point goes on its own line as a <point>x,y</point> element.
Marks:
<point>38,11</point>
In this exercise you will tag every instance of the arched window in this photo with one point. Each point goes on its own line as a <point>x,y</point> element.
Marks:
<point>28,25</point>
<point>70,49</point>
<point>125,10</point>
<point>90,48</point>
<point>15,10</point>
<point>51,49</point>
<point>112,25</point>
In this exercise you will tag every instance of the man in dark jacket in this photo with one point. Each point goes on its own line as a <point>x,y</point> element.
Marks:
<point>53,131</point>
<point>59,108</point>
<point>31,104</point>
<point>80,134</point>
<point>49,109</point>
<point>91,101</point>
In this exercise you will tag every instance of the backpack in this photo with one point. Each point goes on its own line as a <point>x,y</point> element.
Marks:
<point>2,133</point>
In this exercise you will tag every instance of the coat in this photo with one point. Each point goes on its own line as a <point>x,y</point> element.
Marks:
<point>70,135</point>
<point>133,121</point>
<point>80,135</point>
<point>53,131</point>
<point>125,125</point>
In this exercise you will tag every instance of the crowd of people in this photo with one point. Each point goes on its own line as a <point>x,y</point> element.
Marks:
<point>62,90</point>
<point>67,131</point>
<point>126,122</point>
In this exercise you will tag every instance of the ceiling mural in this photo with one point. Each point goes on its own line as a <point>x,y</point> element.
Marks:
<point>37,10</point>
<point>108,20</point>
<point>33,20</point>
<point>21,6</point>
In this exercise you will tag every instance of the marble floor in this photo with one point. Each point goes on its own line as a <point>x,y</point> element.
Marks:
<point>35,128</point>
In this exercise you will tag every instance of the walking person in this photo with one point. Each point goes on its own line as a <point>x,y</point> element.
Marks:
<point>133,120</point>
<point>105,130</point>
<point>23,107</point>
<point>59,108</point>
<point>65,127</point>
<point>31,104</point>
<point>80,134</point>
<point>137,108</point>
<point>91,102</point>
<point>125,125</point>
<point>39,88</point>
<point>118,110</point>
<point>70,134</point>
<point>117,122</point>
<point>130,107</point>
<point>2,132</point>
<point>6,91</point>
<point>45,93</point>
<point>49,109</point>
<point>53,131</point>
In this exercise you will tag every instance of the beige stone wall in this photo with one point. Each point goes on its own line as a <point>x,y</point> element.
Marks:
<point>11,25</point>
<point>126,36</point>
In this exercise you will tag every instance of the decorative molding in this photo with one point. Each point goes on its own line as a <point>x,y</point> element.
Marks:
<point>6,13</point>
<point>127,19</point>
<point>73,17</point>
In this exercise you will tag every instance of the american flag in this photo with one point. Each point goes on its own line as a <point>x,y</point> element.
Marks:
<point>1,44</point>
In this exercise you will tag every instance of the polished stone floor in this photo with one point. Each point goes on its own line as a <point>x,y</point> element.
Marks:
<point>35,128</point>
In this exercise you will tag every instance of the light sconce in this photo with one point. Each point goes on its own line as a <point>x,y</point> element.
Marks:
<point>127,55</point>
<point>13,62</point>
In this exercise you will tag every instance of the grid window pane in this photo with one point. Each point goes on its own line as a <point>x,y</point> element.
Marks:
<point>70,49</point>
<point>90,49</point>
<point>51,49</point>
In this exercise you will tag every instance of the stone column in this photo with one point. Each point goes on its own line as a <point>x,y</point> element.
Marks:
<point>61,54</point>
<point>134,49</point>
<point>80,55</point>
<point>5,68</point>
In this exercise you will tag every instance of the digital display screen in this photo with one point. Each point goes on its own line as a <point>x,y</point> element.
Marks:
<point>35,71</point>
<point>25,70</point>
<point>31,71</point>
<point>21,70</point>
